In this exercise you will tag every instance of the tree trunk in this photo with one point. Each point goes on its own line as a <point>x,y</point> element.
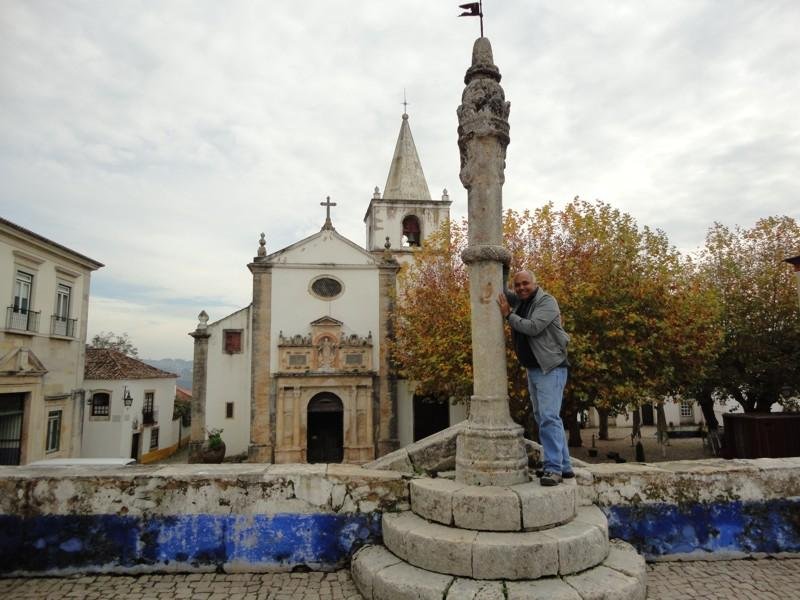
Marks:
<point>603,433</point>
<point>636,432</point>
<point>571,423</point>
<point>706,402</point>
<point>661,424</point>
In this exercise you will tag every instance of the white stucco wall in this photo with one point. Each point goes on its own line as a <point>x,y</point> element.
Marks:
<point>112,437</point>
<point>294,307</point>
<point>228,380</point>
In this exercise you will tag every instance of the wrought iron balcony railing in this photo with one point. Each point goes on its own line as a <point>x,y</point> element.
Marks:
<point>22,319</point>
<point>149,417</point>
<point>62,326</point>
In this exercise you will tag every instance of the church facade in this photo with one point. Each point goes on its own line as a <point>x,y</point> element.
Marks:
<point>303,373</point>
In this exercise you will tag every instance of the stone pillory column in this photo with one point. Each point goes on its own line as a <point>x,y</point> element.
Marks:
<point>200,367</point>
<point>387,388</point>
<point>260,449</point>
<point>490,449</point>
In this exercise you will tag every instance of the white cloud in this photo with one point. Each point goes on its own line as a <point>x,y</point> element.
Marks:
<point>161,139</point>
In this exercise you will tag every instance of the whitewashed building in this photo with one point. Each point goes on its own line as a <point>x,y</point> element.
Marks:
<point>44,288</point>
<point>129,410</point>
<point>302,373</point>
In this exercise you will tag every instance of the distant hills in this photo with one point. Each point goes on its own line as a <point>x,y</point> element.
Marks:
<point>180,367</point>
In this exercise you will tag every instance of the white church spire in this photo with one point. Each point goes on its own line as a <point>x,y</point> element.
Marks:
<point>406,180</point>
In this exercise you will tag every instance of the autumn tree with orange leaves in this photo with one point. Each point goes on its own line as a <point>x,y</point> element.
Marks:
<point>640,320</point>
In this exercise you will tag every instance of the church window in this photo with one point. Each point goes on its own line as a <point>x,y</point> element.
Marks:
<point>411,231</point>
<point>229,410</point>
<point>232,338</point>
<point>326,287</point>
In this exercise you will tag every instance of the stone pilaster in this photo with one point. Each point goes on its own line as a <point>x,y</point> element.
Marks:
<point>199,377</point>
<point>490,449</point>
<point>386,419</point>
<point>261,434</point>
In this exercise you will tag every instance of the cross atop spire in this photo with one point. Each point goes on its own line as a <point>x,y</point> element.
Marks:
<point>405,103</point>
<point>327,204</point>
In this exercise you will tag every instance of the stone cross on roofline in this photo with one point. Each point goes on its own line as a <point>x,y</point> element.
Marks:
<point>327,204</point>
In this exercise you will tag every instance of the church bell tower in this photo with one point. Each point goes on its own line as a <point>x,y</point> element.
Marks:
<point>405,214</point>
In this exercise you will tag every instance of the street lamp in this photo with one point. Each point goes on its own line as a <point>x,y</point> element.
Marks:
<point>127,399</point>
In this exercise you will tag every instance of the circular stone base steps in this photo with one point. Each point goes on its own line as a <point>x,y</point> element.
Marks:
<point>575,546</point>
<point>523,507</point>
<point>380,575</point>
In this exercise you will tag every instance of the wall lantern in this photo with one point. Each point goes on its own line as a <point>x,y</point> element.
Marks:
<point>127,399</point>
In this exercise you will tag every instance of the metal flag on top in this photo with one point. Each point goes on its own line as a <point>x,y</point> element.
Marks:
<point>473,9</point>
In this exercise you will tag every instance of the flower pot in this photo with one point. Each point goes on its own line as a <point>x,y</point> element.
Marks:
<point>213,455</point>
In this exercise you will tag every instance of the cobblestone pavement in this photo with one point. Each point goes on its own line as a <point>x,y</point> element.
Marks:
<point>763,579</point>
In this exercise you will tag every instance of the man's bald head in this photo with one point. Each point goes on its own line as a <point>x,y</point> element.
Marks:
<point>525,284</point>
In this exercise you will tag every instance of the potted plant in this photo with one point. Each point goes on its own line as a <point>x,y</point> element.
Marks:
<point>214,447</point>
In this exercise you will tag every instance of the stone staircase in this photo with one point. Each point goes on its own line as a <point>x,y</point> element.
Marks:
<point>518,542</point>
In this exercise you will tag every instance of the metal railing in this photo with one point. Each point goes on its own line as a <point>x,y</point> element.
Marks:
<point>62,326</point>
<point>149,417</point>
<point>22,319</point>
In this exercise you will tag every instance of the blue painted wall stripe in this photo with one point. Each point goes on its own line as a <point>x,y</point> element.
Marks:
<point>662,529</point>
<point>110,541</point>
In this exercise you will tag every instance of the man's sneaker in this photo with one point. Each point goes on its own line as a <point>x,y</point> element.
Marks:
<point>549,479</point>
<point>564,474</point>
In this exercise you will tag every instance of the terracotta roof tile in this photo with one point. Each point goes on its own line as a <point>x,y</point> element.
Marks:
<point>104,363</point>
<point>182,394</point>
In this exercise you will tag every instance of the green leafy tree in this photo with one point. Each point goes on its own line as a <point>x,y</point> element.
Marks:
<point>759,320</point>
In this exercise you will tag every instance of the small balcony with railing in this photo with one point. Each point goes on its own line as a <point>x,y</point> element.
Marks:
<point>22,319</point>
<point>62,326</point>
<point>149,417</point>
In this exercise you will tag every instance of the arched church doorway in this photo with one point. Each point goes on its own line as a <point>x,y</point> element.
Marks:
<point>431,415</point>
<point>325,429</point>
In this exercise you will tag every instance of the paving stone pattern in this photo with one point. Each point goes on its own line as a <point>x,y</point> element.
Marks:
<point>763,579</point>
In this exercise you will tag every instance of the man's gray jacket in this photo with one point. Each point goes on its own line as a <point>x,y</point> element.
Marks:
<point>542,326</point>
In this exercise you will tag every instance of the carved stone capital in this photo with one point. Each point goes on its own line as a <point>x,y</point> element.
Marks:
<point>475,254</point>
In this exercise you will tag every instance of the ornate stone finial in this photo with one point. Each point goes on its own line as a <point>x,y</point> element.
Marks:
<point>445,195</point>
<point>483,113</point>
<point>202,320</point>
<point>262,245</point>
<point>387,251</point>
<point>376,195</point>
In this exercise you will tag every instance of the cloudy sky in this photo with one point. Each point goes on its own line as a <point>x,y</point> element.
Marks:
<point>162,137</point>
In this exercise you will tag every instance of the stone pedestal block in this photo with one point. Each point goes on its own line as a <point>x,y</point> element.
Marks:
<point>380,575</point>
<point>528,506</point>
<point>564,549</point>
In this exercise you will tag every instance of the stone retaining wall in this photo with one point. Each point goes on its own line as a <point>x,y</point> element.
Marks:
<point>282,517</point>
<point>191,517</point>
<point>702,509</point>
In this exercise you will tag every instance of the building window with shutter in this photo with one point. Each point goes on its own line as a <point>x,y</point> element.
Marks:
<point>232,341</point>
<point>229,410</point>
<point>53,431</point>
<point>101,404</point>
<point>154,439</point>
<point>149,409</point>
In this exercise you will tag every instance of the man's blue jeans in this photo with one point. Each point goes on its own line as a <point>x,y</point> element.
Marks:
<point>547,393</point>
